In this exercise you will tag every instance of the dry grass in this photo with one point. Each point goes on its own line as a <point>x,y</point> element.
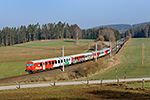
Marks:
<point>13,59</point>
<point>25,54</point>
<point>82,92</point>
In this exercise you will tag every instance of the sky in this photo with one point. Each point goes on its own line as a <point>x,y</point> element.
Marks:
<point>85,13</point>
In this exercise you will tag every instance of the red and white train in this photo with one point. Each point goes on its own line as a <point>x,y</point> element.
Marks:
<point>46,64</point>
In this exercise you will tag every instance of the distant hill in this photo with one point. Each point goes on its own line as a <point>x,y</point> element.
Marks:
<point>123,27</point>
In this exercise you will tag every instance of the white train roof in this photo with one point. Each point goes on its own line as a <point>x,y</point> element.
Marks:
<point>59,58</point>
<point>88,53</point>
<point>49,59</point>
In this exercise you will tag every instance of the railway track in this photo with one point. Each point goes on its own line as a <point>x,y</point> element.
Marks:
<point>41,74</point>
<point>55,71</point>
<point>52,72</point>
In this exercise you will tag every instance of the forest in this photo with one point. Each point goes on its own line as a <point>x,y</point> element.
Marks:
<point>138,32</point>
<point>34,32</point>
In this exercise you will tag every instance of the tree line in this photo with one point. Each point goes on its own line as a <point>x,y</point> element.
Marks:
<point>108,34</point>
<point>138,32</point>
<point>33,32</point>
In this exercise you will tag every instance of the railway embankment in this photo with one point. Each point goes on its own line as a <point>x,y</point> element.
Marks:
<point>73,72</point>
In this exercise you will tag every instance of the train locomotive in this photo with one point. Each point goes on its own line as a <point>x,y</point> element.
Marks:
<point>47,64</point>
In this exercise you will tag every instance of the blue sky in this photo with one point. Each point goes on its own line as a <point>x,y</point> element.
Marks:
<point>85,13</point>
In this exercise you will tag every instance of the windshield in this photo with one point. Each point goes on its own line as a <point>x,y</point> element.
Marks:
<point>29,64</point>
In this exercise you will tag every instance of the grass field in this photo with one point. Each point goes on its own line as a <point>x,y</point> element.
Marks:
<point>77,92</point>
<point>139,84</point>
<point>13,59</point>
<point>129,60</point>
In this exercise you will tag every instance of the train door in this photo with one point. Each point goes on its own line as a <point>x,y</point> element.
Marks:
<point>43,66</point>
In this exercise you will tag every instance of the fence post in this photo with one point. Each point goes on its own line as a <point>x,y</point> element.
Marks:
<point>143,84</point>
<point>116,72</point>
<point>118,81</point>
<point>101,82</point>
<point>54,82</point>
<point>87,81</point>
<point>125,77</point>
<point>19,84</point>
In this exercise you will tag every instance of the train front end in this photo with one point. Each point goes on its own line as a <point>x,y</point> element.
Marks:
<point>29,67</point>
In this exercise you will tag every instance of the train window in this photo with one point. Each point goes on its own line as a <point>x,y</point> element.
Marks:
<point>45,63</point>
<point>27,64</point>
<point>49,63</point>
<point>35,64</point>
<point>40,64</point>
<point>64,60</point>
<point>61,61</point>
<point>52,62</point>
<point>56,62</point>
<point>67,60</point>
<point>101,52</point>
<point>31,64</point>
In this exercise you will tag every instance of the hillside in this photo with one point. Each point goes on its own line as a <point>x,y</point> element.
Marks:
<point>129,60</point>
<point>13,59</point>
<point>138,32</point>
<point>123,27</point>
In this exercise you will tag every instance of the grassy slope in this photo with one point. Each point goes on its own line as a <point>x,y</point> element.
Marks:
<point>14,58</point>
<point>130,60</point>
<point>139,84</point>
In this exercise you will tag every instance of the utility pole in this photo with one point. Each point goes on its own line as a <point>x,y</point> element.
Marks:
<point>96,52</point>
<point>63,58</point>
<point>110,44</point>
<point>110,51</point>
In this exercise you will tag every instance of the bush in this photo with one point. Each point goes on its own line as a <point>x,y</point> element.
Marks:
<point>72,75</point>
<point>91,69</point>
<point>99,46</point>
<point>62,76</point>
<point>80,72</point>
<point>100,38</point>
<point>101,64</point>
<point>127,38</point>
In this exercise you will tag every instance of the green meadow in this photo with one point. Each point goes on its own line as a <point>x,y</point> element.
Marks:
<point>13,58</point>
<point>129,61</point>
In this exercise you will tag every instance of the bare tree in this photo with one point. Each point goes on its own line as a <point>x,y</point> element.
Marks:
<point>77,33</point>
<point>108,35</point>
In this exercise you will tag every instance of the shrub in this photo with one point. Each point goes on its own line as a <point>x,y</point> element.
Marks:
<point>72,75</point>
<point>62,76</point>
<point>100,37</point>
<point>80,72</point>
<point>90,69</point>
